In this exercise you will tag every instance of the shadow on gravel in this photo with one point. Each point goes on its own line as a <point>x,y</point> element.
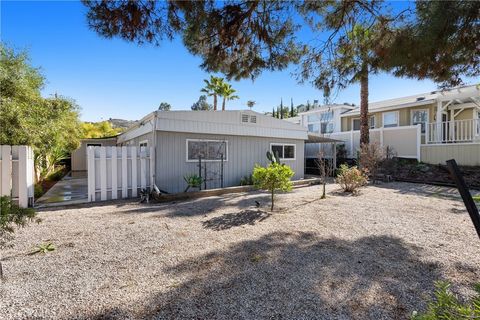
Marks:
<point>230,220</point>
<point>286,275</point>
<point>425,190</point>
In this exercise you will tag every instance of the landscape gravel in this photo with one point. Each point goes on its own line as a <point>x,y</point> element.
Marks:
<point>375,255</point>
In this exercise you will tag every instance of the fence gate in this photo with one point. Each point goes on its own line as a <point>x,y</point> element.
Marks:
<point>17,174</point>
<point>119,172</point>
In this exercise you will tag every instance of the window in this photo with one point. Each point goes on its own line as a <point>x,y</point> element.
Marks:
<point>313,118</point>
<point>284,151</point>
<point>356,124</point>
<point>390,119</point>
<point>315,127</point>
<point>143,143</point>
<point>94,145</point>
<point>207,150</point>
<point>420,117</point>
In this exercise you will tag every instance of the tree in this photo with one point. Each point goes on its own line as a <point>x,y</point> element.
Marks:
<point>281,109</point>
<point>100,129</point>
<point>201,104</point>
<point>50,125</point>
<point>251,104</point>
<point>227,93</point>
<point>273,113</point>
<point>164,106</point>
<point>325,168</point>
<point>239,39</point>
<point>274,177</point>
<point>292,110</point>
<point>12,217</point>
<point>213,88</point>
<point>441,42</point>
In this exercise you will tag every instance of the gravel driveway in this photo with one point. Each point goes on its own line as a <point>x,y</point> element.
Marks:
<point>375,255</point>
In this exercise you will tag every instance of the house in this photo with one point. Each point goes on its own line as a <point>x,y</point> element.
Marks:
<point>431,127</point>
<point>79,156</point>
<point>222,147</point>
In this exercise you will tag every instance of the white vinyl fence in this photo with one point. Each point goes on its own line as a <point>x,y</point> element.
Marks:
<point>119,172</point>
<point>405,140</point>
<point>17,174</point>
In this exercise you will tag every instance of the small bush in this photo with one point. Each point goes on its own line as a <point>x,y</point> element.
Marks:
<point>11,216</point>
<point>193,181</point>
<point>447,306</point>
<point>57,174</point>
<point>38,190</point>
<point>371,155</point>
<point>246,181</point>
<point>44,248</point>
<point>275,176</point>
<point>350,179</point>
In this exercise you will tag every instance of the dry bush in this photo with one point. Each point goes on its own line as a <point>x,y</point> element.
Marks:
<point>351,179</point>
<point>371,156</point>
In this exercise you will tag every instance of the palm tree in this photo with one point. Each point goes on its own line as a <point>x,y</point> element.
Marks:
<point>250,104</point>
<point>213,88</point>
<point>228,93</point>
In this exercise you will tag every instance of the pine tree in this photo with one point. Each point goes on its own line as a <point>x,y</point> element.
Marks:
<point>281,108</point>
<point>273,112</point>
<point>292,113</point>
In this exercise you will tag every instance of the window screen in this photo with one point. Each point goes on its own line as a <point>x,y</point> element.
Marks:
<point>209,150</point>
<point>390,119</point>
<point>283,151</point>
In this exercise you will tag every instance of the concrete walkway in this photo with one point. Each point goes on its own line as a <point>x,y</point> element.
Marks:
<point>72,189</point>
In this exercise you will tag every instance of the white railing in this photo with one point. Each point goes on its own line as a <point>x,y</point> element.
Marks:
<point>453,131</point>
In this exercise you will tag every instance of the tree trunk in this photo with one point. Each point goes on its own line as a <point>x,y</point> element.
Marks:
<point>364,125</point>
<point>273,196</point>
<point>214,102</point>
<point>223,104</point>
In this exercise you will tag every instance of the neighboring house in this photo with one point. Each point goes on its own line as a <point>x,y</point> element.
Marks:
<point>431,127</point>
<point>79,156</point>
<point>229,144</point>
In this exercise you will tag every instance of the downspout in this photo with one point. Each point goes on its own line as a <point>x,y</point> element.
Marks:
<point>154,133</point>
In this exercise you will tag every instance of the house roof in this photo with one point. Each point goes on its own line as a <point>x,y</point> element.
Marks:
<point>462,94</point>
<point>316,138</point>
<point>231,122</point>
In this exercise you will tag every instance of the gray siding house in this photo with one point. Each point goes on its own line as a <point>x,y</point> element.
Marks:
<point>228,143</point>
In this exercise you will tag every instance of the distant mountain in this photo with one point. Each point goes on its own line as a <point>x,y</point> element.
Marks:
<point>122,124</point>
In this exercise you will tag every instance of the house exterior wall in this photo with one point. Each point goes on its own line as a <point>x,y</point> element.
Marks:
<point>135,142</point>
<point>79,156</point>
<point>467,154</point>
<point>243,153</point>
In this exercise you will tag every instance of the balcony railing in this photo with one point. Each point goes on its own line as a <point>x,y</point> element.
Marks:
<point>453,131</point>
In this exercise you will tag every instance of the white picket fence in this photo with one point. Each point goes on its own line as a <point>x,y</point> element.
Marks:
<point>17,174</point>
<point>119,172</point>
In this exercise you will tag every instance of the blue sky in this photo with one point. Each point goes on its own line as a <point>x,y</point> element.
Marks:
<point>110,78</point>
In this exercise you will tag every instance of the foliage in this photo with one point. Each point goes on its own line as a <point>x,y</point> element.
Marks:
<point>57,174</point>
<point>227,93</point>
<point>341,154</point>
<point>11,216</point>
<point>440,42</point>
<point>251,104</point>
<point>350,179</point>
<point>326,169</point>
<point>274,177</point>
<point>202,104</point>
<point>164,106</point>
<point>447,306</point>
<point>273,158</point>
<point>38,190</point>
<point>50,125</point>
<point>44,248</point>
<point>100,129</point>
<point>371,155</point>
<point>476,198</point>
<point>246,180</point>
<point>213,88</point>
<point>193,181</point>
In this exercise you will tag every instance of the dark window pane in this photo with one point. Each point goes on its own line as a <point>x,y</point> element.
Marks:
<point>289,152</point>
<point>277,150</point>
<point>356,124</point>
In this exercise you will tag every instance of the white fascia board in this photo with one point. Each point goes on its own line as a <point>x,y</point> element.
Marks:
<point>388,108</point>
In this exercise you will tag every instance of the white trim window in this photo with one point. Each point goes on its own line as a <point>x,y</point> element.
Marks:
<point>284,151</point>
<point>356,123</point>
<point>390,119</point>
<point>207,150</point>
<point>143,143</point>
<point>419,116</point>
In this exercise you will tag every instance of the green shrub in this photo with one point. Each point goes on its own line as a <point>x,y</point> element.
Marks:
<point>350,179</point>
<point>57,174</point>
<point>246,181</point>
<point>38,190</point>
<point>274,177</point>
<point>44,248</point>
<point>193,181</point>
<point>447,306</point>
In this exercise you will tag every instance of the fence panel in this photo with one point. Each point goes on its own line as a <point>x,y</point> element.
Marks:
<point>115,172</point>
<point>17,174</point>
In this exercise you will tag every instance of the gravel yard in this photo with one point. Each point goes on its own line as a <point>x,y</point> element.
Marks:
<point>375,255</point>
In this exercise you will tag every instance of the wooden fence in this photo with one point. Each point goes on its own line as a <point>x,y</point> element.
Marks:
<point>119,172</point>
<point>17,174</point>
